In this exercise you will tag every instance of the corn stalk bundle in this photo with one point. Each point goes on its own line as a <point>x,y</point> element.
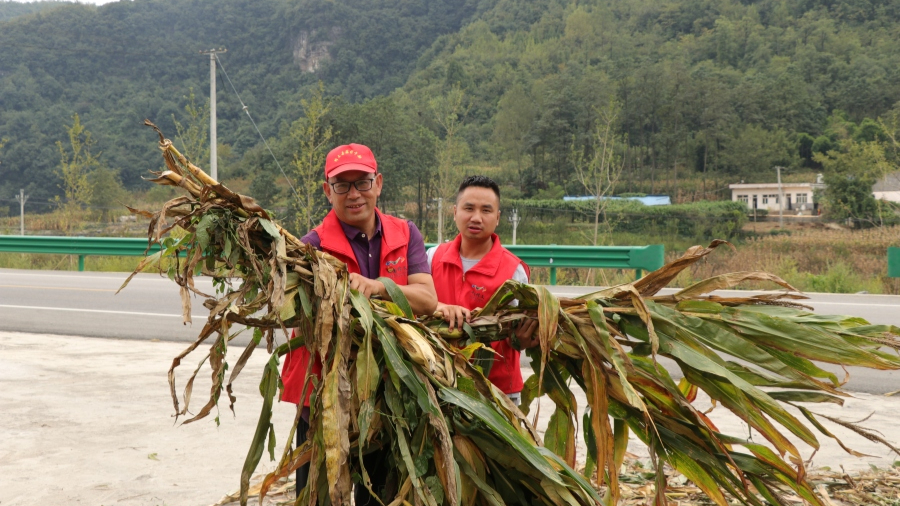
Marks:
<point>391,383</point>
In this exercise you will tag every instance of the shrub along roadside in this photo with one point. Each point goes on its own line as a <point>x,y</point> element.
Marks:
<point>817,260</point>
<point>698,221</point>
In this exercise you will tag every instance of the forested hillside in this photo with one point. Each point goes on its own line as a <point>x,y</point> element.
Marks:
<point>716,87</point>
<point>119,63</point>
<point>687,95</point>
<point>10,9</point>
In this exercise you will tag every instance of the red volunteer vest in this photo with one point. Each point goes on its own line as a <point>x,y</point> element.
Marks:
<point>473,289</point>
<point>393,264</point>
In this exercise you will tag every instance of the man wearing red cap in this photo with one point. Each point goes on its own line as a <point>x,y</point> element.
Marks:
<point>372,245</point>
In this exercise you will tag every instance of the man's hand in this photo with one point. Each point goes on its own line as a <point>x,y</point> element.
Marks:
<point>366,286</point>
<point>456,315</point>
<point>525,333</point>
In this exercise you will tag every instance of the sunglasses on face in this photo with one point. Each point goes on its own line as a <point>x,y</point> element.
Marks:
<point>344,187</point>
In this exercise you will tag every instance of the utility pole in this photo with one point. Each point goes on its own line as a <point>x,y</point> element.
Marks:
<point>21,197</point>
<point>440,220</point>
<point>213,157</point>
<point>780,199</point>
<point>514,219</point>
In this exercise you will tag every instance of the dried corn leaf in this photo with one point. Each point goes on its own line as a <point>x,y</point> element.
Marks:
<point>392,384</point>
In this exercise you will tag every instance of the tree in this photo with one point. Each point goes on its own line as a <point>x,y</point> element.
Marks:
<point>599,164</point>
<point>108,195</point>
<point>264,188</point>
<point>74,168</point>
<point>753,151</point>
<point>194,137</point>
<point>850,174</point>
<point>310,137</point>
<point>449,111</point>
<point>512,123</point>
<point>849,197</point>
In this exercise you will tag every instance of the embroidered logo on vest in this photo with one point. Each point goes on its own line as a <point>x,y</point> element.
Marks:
<point>393,266</point>
<point>479,292</point>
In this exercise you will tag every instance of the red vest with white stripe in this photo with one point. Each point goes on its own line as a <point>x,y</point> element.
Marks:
<point>472,290</point>
<point>392,264</point>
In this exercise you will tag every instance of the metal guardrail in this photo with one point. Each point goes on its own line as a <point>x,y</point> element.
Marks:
<point>894,262</point>
<point>639,258</point>
<point>81,246</point>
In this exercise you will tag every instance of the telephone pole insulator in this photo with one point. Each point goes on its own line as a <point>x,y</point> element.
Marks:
<point>514,220</point>
<point>22,198</point>
<point>213,157</point>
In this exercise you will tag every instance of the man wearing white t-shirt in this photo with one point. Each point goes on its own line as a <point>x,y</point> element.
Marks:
<point>470,268</point>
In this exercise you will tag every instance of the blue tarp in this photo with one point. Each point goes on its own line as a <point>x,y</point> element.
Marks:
<point>648,200</point>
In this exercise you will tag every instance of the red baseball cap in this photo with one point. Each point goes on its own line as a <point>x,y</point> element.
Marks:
<point>350,157</point>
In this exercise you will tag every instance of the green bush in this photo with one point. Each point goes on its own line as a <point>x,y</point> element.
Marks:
<point>696,221</point>
<point>840,278</point>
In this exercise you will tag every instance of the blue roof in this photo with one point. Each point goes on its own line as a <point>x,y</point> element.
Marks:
<point>648,200</point>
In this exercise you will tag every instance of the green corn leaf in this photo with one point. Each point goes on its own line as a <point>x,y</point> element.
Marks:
<point>569,473</point>
<point>402,369</point>
<point>397,297</point>
<point>488,493</point>
<point>269,227</point>
<point>502,429</point>
<point>268,386</point>
<point>558,430</point>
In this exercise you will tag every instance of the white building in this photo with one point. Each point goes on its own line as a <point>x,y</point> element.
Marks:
<point>798,197</point>
<point>888,188</point>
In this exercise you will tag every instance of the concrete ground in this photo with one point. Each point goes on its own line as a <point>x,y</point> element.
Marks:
<point>88,421</point>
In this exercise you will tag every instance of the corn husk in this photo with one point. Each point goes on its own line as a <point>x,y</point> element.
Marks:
<point>392,384</point>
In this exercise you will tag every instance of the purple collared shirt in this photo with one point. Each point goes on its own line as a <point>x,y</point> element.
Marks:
<point>368,249</point>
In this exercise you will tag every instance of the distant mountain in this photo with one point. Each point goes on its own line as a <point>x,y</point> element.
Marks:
<point>720,89</point>
<point>10,9</point>
<point>122,62</point>
<point>711,89</point>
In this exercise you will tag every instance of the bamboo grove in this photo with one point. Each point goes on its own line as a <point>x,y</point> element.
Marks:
<point>391,381</point>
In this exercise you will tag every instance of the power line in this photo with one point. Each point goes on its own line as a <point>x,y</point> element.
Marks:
<point>247,110</point>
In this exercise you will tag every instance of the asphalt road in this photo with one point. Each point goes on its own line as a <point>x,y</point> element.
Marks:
<point>85,304</point>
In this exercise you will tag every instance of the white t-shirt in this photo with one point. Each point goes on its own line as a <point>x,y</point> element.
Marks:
<point>467,264</point>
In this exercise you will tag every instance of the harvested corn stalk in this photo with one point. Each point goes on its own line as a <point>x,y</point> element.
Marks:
<point>390,382</point>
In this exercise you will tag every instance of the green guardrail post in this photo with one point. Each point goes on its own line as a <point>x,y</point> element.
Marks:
<point>552,270</point>
<point>638,274</point>
<point>80,263</point>
<point>894,262</point>
<point>650,257</point>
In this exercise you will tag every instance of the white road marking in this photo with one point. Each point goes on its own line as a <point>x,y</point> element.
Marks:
<point>76,310</point>
<point>60,288</point>
<point>108,278</point>
<point>816,302</point>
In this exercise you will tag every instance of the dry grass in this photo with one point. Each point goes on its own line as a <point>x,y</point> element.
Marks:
<point>812,257</point>
<point>876,486</point>
<point>817,259</point>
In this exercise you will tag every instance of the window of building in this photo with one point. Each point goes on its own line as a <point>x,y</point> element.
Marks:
<point>801,198</point>
<point>772,198</point>
<point>743,198</point>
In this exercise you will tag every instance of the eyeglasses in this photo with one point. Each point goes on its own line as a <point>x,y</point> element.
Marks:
<point>344,187</point>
